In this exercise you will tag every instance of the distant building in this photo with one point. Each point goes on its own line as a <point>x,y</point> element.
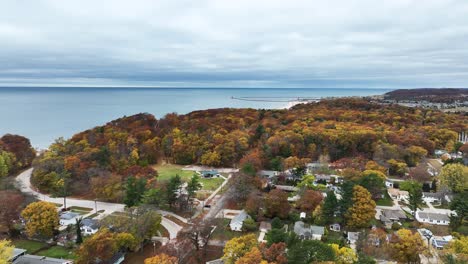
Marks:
<point>398,195</point>
<point>287,188</point>
<point>32,259</point>
<point>68,218</point>
<point>335,227</point>
<point>440,242</point>
<point>270,174</point>
<point>436,197</point>
<point>209,173</point>
<point>432,218</point>
<point>238,221</point>
<point>352,237</point>
<point>388,217</point>
<point>265,226</point>
<point>305,231</point>
<point>89,226</point>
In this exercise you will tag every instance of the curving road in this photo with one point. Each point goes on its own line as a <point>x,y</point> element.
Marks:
<point>24,184</point>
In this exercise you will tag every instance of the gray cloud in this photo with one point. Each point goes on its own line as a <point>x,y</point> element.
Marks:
<point>365,43</point>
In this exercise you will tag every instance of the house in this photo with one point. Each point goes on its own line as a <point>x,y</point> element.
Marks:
<point>68,218</point>
<point>432,218</point>
<point>308,232</point>
<point>32,259</point>
<point>335,227</point>
<point>388,217</point>
<point>270,174</point>
<point>398,195</point>
<point>441,242</point>
<point>216,261</point>
<point>430,197</point>
<point>89,226</point>
<point>328,178</point>
<point>264,226</point>
<point>287,188</point>
<point>238,221</point>
<point>313,166</point>
<point>209,173</point>
<point>302,215</point>
<point>17,252</point>
<point>353,237</point>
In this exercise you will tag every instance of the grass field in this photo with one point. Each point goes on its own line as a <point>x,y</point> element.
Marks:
<point>29,245</point>
<point>166,171</point>
<point>57,252</point>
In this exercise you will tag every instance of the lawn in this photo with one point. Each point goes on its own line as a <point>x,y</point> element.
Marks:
<point>166,171</point>
<point>29,245</point>
<point>386,201</point>
<point>57,252</point>
<point>224,233</point>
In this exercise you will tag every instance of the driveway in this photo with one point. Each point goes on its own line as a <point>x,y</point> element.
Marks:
<point>24,184</point>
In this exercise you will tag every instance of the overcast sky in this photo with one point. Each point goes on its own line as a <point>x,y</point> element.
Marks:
<point>235,43</point>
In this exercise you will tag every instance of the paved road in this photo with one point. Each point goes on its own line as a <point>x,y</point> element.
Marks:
<point>24,184</point>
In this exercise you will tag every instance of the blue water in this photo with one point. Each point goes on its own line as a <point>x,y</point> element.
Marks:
<point>44,114</point>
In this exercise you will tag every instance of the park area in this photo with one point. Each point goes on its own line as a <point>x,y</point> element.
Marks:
<point>166,171</point>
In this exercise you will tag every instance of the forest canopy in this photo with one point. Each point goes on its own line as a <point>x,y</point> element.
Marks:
<point>393,136</point>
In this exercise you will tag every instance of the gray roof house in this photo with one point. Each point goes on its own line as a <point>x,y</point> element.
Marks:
<point>238,221</point>
<point>89,226</point>
<point>433,197</point>
<point>305,231</point>
<point>32,259</point>
<point>432,218</point>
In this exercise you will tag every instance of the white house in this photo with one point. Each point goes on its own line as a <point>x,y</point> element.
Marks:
<point>89,226</point>
<point>68,218</point>
<point>308,232</point>
<point>353,237</point>
<point>335,227</point>
<point>429,197</point>
<point>238,221</point>
<point>432,218</point>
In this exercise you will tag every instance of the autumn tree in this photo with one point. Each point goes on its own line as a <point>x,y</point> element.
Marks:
<point>6,251</point>
<point>11,209</point>
<point>309,200</point>
<point>459,247</point>
<point>41,219</point>
<point>414,154</point>
<point>374,182</point>
<point>100,246</point>
<point>344,255</point>
<point>254,256</point>
<point>407,246</point>
<point>363,209</point>
<point>253,204</point>
<point>455,176</point>
<point>396,167</point>
<point>307,181</point>
<point>238,247</point>
<point>162,259</point>
<point>275,253</point>
<point>276,204</point>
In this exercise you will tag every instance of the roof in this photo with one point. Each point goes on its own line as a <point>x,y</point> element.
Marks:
<point>239,219</point>
<point>437,195</point>
<point>17,252</point>
<point>32,259</point>
<point>301,228</point>
<point>91,223</point>
<point>286,188</point>
<point>268,173</point>
<point>216,261</point>
<point>265,226</point>
<point>393,214</point>
<point>433,216</point>
<point>68,215</point>
<point>209,172</point>
<point>393,191</point>
<point>352,236</point>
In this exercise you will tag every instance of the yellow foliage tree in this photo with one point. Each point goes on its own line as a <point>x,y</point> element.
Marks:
<point>344,255</point>
<point>162,259</point>
<point>459,247</point>
<point>6,251</point>
<point>41,218</point>
<point>363,209</point>
<point>254,256</point>
<point>238,247</point>
<point>407,247</point>
<point>455,176</point>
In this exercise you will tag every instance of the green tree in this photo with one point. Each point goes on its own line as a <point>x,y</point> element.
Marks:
<point>173,189</point>
<point>460,206</point>
<point>134,191</point>
<point>329,207</point>
<point>310,251</point>
<point>455,176</point>
<point>346,200</point>
<point>414,189</point>
<point>155,197</point>
<point>79,236</point>
<point>193,186</point>
<point>374,183</point>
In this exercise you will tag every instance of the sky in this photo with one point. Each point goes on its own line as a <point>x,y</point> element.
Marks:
<point>234,43</point>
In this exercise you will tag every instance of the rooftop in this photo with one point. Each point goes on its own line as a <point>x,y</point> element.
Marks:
<point>433,216</point>
<point>32,259</point>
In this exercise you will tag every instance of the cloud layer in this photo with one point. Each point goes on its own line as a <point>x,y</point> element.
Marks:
<point>365,43</point>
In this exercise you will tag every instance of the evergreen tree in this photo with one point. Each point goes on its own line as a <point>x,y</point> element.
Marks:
<point>414,189</point>
<point>329,207</point>
<point>193,186</point>
<point>79,237</point>
<point>135,188</point>
<point>173,189</point>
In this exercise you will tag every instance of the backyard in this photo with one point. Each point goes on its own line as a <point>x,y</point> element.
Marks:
<point>166,171</point>
<point>43,249</point>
